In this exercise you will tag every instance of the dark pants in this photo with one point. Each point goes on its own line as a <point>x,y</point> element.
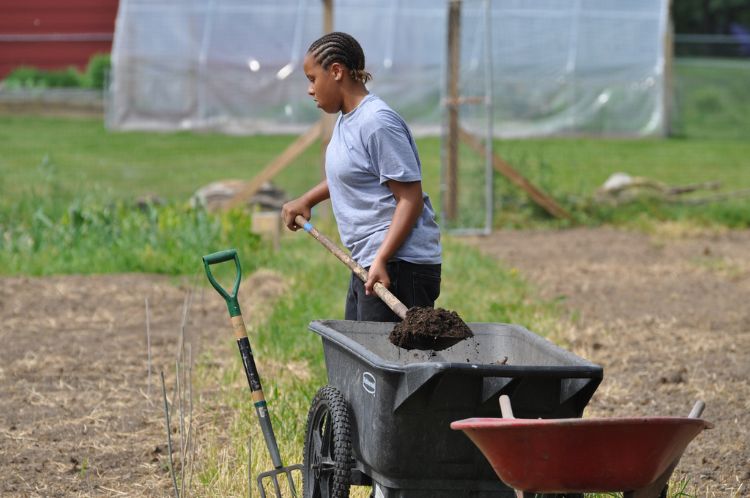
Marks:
<point>412,284</point>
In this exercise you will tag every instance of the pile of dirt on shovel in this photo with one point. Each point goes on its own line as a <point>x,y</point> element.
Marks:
<point>429,328</point>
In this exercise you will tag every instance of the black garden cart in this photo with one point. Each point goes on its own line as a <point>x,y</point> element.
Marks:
<point>384,417</point>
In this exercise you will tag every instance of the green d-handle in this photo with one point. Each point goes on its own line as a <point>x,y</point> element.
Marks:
<point>221,257</point>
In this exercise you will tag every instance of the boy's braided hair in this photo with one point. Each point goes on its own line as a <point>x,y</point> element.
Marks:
<point>344,49</point>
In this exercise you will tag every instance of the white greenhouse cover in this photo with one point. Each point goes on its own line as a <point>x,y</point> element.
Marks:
<point>592,67</point>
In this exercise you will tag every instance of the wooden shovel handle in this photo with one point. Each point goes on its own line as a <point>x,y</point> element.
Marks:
<point>382,292</point>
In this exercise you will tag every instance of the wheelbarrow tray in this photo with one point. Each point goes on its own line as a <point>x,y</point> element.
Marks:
<point>402,402</point>
<point>581,455</point>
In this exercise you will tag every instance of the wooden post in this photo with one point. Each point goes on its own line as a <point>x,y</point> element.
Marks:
<point>276,166</point>
<point>454,60</point>
<point>327,120</point>
<point>322,129</point>
<point>667,88</point>
<point>327,16</point>
<point>539,197</point>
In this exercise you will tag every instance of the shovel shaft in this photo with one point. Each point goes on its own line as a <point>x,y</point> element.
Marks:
<point>256,389</point>
<point>382,292</point>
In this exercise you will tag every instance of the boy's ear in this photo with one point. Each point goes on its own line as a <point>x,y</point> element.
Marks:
<point>337,71</point>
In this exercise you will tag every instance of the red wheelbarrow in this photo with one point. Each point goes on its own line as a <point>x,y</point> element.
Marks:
<point>635,455</point>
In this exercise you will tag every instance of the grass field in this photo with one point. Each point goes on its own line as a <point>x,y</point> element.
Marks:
<point>81,157</point>
<point>81,153</point>
<point>711,98</point>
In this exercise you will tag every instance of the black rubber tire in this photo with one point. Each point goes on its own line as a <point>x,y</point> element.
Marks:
<point>555,495</point>
<point>327,463</point>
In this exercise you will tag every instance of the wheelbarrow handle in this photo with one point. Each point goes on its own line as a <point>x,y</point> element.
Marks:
<point>697,410</point>
<point>220,257</point>
<point>659,486</point>
<point>505,408</point>
<point>381,290</point>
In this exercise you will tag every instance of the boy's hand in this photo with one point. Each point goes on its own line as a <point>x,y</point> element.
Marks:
<point>377,273</point>
<point>291,209</point>
<point>303,205</point>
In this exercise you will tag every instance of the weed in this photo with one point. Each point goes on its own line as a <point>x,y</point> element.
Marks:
<point>30,77</point>
<point>40,235</point>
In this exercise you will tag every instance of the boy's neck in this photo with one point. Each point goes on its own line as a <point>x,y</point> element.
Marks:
<point>353,97</point>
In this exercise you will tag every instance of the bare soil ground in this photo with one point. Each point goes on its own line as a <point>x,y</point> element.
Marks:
<point>668,317</point>
<point>77,415</point>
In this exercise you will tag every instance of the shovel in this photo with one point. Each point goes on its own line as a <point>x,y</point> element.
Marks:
<point>424,336</point>
<point>261,409</point>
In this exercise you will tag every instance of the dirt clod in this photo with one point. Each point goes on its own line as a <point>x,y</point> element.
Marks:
<point>429,329</point>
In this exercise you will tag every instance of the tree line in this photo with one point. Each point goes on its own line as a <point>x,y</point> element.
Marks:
<point>720,17</point>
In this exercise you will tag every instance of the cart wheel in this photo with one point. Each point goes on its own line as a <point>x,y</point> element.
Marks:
<point>554,495</point>
<point>328,447</point>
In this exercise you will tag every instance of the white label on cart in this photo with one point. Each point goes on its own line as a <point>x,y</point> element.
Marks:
<point>368,382</point>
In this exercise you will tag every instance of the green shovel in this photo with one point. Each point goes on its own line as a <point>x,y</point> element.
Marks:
<point>261,409</point>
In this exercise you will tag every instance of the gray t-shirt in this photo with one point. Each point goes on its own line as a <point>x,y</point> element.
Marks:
<point>371,145</point>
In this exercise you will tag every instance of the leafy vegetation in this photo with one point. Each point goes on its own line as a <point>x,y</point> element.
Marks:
<point>42,234</point>
<point>714,16</point>
<point>93,77</point>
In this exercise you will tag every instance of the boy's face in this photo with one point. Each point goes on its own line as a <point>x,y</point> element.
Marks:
<point>325,84</point>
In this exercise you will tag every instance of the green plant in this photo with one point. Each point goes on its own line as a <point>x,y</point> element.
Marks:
<point>94,76</point>
<point>97,71</point>
<point>41,235</point>
<point>29,77</point>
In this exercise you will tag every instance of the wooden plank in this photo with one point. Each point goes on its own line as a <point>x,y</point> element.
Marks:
<point>327,16</point>
<point>668,81</point>
<point>465,100</point>
<point>454,62</point>
<point>327,121</point>
<point>541,198</point>
<point>276,166</point>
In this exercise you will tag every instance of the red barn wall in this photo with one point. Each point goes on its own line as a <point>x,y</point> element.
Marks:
<point>54,34</point>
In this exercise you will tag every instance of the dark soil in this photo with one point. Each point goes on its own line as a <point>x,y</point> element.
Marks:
<point>429,329</point>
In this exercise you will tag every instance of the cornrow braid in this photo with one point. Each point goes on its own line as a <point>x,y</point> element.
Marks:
<point>344,49</point>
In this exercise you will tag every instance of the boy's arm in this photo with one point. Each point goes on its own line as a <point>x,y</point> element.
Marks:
<point>303,204</point>
<point>409,205</point>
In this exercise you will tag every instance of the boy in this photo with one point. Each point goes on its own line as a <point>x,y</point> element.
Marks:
<point>373,178</point>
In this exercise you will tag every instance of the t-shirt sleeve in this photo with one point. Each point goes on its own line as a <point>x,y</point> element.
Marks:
<point>392,153</point>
